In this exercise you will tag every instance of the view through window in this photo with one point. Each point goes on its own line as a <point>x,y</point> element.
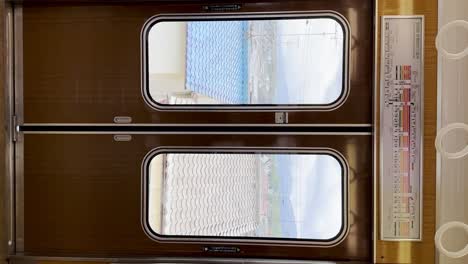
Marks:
<point>289,61</point>
<point>250,195</point>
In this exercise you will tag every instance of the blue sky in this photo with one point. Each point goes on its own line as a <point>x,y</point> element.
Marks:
<point>312,184</point>
<point>309,67</point>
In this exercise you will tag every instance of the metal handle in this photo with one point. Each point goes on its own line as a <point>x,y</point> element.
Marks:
<point>441,232</point>
<point>443,30</point>
<point>442,133</point>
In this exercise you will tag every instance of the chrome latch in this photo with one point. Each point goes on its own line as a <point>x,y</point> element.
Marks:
<point>122,120</point>
<point>281,118</point>
<point>222,8</point>
<point>14,128</point>
<point>122,138</point>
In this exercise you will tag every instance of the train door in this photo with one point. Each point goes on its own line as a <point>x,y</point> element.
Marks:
<point>191,131</point>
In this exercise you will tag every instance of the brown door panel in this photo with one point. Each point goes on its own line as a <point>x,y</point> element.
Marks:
<point>82,64</point>
<point>82,195</point>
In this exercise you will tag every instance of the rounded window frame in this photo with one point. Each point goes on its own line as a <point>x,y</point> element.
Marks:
<point>153,104</point>
<point>342,234</point>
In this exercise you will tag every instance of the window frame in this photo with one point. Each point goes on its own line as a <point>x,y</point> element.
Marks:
<point>344,230</point>
<point>340,19</point>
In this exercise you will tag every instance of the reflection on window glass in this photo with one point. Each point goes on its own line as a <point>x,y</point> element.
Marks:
<point>249,62</point>
<point>289,196</point>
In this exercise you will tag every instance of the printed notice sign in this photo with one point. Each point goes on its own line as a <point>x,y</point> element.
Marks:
<point>401,126</point>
